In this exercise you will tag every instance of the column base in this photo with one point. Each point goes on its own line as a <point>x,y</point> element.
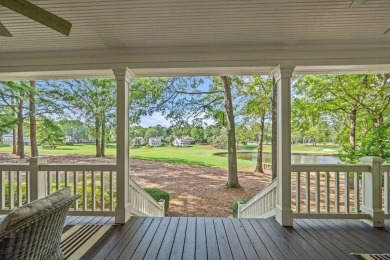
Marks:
<point>378,219</point>
<point>284,217</point>
<point>123,214</point>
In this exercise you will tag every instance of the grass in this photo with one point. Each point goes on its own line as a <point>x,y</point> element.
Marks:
<point>202,155</point>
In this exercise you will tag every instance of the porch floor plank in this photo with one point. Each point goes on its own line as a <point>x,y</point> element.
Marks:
<point>167,242</point>
<point>335,236</point>
<point>200,240</point>
<point>226,238</point>
<point>357,233</point>
<point>211,239</point>
<point>329,244</point>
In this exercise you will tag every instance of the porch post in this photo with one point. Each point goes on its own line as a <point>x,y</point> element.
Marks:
<point>122,210</point>
<point>37,179</point>
<point>372,192</point>
<point>283,76</point>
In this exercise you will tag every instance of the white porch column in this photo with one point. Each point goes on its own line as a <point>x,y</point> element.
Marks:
<point>283,76</point>
<point>372,192</point>
<point>38,184</point>
<point>122,211</point>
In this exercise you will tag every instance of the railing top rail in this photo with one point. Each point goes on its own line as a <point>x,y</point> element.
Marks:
<point>135,185</point>
<point>330,167</point>
<point>385,167</point>
<point>264,191</point>
<point>78,167</point>
<point>14,167</point>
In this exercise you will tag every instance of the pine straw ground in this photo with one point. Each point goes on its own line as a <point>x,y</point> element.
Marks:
<point>194,190</point>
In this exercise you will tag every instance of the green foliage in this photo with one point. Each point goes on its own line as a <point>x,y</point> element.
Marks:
<point>159,194</point>
<point>197,132</point>
<point>235,206</point>
<point>151,132</point>
<point>50,133</point>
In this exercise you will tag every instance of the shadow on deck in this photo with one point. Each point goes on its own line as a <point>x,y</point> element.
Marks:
<point>223,238</point>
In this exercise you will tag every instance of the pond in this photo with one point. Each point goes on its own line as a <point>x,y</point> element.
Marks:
<point>295,158</point>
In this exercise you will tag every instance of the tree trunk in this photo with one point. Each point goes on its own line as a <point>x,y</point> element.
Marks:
<point>103,139</point>
<point>20,150</point>
<point>33,122</point>
<point>352,132</point>
<point>274,129</point>
<point>14,143</point>
<point>259,164</point>
<point>98,143</point>
<point>14,133</point>
<point>232,156</point>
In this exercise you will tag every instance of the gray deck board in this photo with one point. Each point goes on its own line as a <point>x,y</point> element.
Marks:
<point>226,238</point>
<point>211,240</point>
<point>200,240</point>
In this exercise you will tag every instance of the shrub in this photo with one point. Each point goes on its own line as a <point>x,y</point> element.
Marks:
<point>235,206</point>
<point>158,194</point>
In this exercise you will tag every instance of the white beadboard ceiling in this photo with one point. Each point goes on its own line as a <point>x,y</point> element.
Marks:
<point>99,24</point>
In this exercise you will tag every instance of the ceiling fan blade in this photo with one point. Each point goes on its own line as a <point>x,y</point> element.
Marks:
<point>358,2</point>
<point>387,31</point>
<point>4,31</point>
<point>38,14</point>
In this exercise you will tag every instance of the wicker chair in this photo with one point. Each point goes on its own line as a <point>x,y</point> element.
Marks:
<point>39,236</point>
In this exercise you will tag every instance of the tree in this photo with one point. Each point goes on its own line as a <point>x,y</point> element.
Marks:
<point>33,121</point>
<point>231,132</point>
<point>93,100</point>
<point>151,132</point>
<point>256,99</point>
<point>74,129</point>
<point>50,133</point>
<point>197,132</point>
<point>189,99</point>
<point>13,96</point>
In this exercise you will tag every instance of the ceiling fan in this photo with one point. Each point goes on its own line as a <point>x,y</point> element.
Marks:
<point>37,14</point>
<point>357,2</point>
<point>361,2</point>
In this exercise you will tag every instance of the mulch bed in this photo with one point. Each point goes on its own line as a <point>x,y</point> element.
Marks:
<point>194,190</point>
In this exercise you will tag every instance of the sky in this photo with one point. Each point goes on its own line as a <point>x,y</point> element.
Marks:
<point>158,119</point>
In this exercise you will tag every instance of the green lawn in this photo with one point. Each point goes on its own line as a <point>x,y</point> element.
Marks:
<point>195,155</point>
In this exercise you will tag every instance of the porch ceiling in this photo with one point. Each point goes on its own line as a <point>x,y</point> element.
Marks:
<point>190,35</point>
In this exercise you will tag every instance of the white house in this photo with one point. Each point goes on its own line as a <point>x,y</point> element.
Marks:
<point>155,141</point>
<point>183,141</point>
<point>138,141</point>
<point>7,139</point>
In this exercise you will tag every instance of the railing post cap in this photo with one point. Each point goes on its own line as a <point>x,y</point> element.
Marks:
<point>371,159</point>
<point>40,160</point>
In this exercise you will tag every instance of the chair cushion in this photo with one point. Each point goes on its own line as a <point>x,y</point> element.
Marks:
<point>59,195</point>
<point>24,212</point>
<point>32,208</point>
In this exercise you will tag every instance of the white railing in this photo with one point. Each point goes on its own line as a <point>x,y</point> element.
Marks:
<point>142,204</point>
<point>14,186</point>
<point>386,189</point>
<point>338,191</point>
<point>327,191</point>
<point>22,183</point>
<point>260,206</point>
<point>96,183</point>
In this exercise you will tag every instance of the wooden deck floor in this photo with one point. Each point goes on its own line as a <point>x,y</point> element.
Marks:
<point>223,238</point>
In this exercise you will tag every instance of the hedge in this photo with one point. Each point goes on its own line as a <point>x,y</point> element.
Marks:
<point>235,206</point>
<point>158,194</point>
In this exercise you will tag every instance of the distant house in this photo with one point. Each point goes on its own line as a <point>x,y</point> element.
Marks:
<point>183,141</point>
<point>155,141</point>
<point>138,141</point>
<point>7,139</point>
